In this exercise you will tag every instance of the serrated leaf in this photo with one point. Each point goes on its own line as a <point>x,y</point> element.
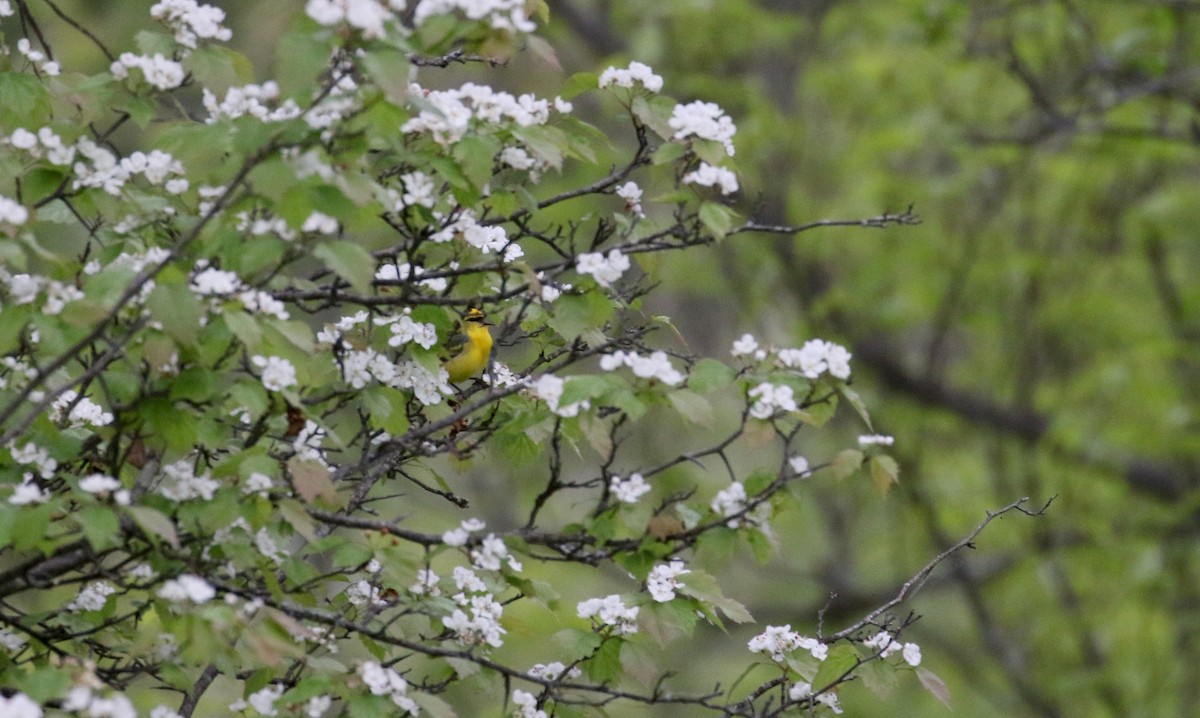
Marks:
<point>176,308</point>
<point>432,705</point>
<point>846,463</point>
<point>692,407</point>
<point>717,218</point>
<point>575,643</point>
<point>884,472</point>
<point>23,101</point>
<point>841,658</point>
<point>577,83</point>
<point>857,402</point>
<point>349,261</point>
<point>655,113</point>
<point>605,664</point>
<point>389,70</point>
<point>312,481</point>
<point>548,143</point>
<point>935,685</point>
<point>668,152</point>
<point>155,523</point>
<point>709,374</point>
<point>244,327</point>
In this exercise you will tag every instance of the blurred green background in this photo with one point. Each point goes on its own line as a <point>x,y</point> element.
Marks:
<point>1035,336</point>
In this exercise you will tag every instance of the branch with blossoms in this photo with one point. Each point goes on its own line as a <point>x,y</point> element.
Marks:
<point>235,474</point>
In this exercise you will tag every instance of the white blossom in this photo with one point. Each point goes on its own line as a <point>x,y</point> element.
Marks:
<point>663,580</point>
<point>629,490</point>
<point>277,373</point>
<point>636,73</point>
<point>180,483</point>
<point>710,176</point>
<point>704,120</point>
<point>92,597</point>
<point>526,705</point>
<point>549,389</point>
<point>159,72</point>
<point>912,654</point>
<point>498,14</point>
<point>383,681</point>
<point>18,705</point>
<point>776,641</point>
<point>770,399</point>
<point>655,366</point>
<point>632,194</point>
<point>187,587</point>
<point>191,21</point>
<point>610,611</point>
<point>12,212</point>
<point>98,483</point>
<point>799,464</point>
<point>730,501</point>
<point>876,440</point>
<point>605,270</point>
<point>426,584</point>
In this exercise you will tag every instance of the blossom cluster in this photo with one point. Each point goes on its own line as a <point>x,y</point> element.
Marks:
<point>705,121</point>
<point>508,15</point>
<point>777,641</point>
<point>451,112</point>
<point>628,491</point>
<point>159,72</point>
<point>770,399</point>
<point>549,388</point>
<point>610,611</point>
<point>190,21</point>
<point>664,579</point>
<point>252,100</point>
<point>604,269</point>
<point>636,73</point>
<point>382,681</point>
<point>655,366</point>
<point>814,358</point>
<point>707,175</point>
<point>886,645</point>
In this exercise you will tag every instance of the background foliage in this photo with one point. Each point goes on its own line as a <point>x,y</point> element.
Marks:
<point>1034,336</point>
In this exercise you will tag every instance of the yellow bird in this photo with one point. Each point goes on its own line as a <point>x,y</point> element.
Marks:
<point>475,341</point>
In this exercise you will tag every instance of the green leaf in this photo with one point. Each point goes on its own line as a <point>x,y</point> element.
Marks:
<point>841,658</point>
<point>23,102</point>
<point>717,218</point>
<point>846,463</point>
<point>100,526</point>
<point>692,407</point>
<point>218,68</point>
<point>856,402</point>
<point>155,523</point>
<point>655,113</point>
<point>575,643</point>
<point>577,83</point>
<point>708,375</point>
<point>389,69</point>
<point>935,685</point>
<point>178,310</point>
<point>884,472</point>
<point>245,327</point>
<point>605,664</point>
<point>581,316</point>
<point>669,152</point>
<point>349,261</point>
<point>475,155</point>
<point>547,143</point>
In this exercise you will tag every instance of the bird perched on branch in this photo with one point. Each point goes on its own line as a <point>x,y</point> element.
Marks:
<point>472,346</point>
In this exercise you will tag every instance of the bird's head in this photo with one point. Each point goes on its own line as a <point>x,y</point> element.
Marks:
<point>477,317</point>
